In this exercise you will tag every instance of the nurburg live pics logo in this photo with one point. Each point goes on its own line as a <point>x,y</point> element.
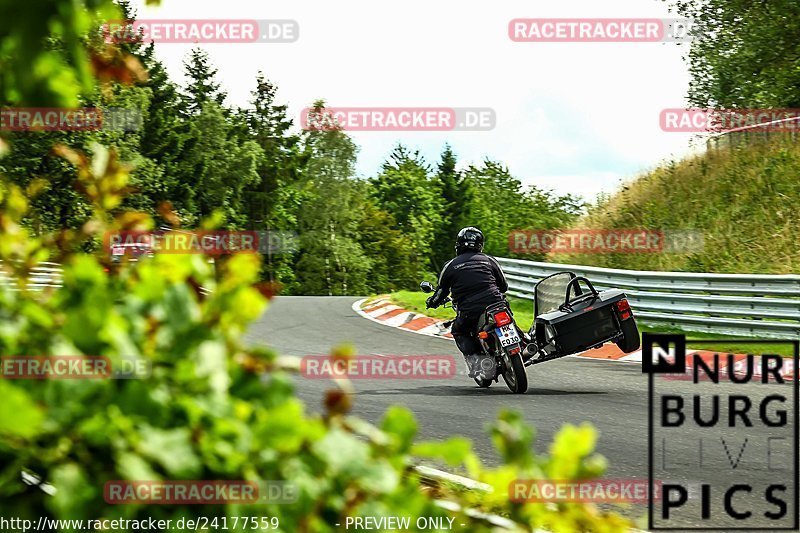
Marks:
<point>723,440</point>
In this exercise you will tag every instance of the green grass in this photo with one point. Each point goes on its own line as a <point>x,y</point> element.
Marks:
<point>523,314</point>
<point>742,200</point>
<point>415,301</point>
<point>726,344</point>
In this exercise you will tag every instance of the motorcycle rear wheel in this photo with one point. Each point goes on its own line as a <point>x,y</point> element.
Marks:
<point>514,375</point>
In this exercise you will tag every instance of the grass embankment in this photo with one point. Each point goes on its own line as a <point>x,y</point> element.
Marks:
<point>743,201</point>
<point>523,314</point>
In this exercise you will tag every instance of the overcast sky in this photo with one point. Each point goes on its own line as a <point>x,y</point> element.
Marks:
<point>573,117</point>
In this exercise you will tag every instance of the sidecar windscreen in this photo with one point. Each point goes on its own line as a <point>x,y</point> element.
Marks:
<point>551,292</point>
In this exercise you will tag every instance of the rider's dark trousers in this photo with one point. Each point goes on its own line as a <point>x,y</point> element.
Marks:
<point>463,330</point>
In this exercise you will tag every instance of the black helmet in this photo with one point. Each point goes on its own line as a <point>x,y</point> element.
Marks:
<point>469,238</point>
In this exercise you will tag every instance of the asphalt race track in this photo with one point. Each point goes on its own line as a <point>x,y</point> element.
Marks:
<point>610,395</point>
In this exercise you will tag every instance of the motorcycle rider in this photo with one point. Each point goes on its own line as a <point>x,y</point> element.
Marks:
<point>476,281</point>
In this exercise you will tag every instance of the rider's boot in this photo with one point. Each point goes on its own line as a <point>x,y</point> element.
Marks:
<point>480,366</point>
<point>473,363</point>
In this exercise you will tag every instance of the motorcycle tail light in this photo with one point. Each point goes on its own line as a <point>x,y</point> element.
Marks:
<point>624,309</point>
<point>502,318</point>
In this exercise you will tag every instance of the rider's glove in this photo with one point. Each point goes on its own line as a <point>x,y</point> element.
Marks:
<point>431,302</point>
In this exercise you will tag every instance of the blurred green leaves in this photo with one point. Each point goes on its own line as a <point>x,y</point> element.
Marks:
<point>19,415</point>
<point>33,71</point>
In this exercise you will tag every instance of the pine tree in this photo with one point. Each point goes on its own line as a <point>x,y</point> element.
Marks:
<point>273,201</point>
<point>165,138</point>
<point>203,87</point>
<point>404,189</point>
<point>457,197</point>
<point>269,126</point>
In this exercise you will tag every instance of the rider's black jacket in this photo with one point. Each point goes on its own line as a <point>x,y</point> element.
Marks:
<point>475,281</point>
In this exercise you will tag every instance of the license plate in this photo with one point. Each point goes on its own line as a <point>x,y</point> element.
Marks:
<point>507,335</point>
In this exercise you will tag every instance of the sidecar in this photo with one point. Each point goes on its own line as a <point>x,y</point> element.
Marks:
<point>571,316</point>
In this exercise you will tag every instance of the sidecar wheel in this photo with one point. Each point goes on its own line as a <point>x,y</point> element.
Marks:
<point>630,337</point>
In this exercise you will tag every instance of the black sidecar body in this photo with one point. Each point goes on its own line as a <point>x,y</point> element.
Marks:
<point>571,316</point>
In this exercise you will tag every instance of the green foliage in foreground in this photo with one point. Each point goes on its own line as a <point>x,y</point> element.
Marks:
<point>213,409</point>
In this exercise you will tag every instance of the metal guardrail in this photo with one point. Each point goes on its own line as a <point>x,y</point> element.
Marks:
<point>753,305</point>
<point>44,275</point>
